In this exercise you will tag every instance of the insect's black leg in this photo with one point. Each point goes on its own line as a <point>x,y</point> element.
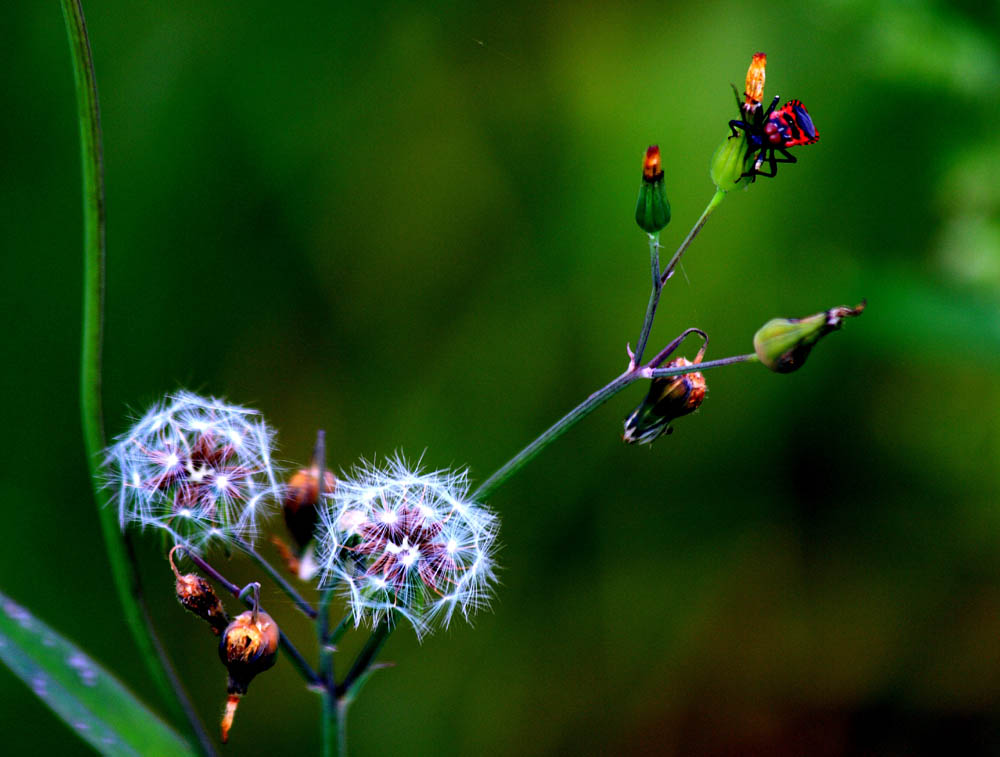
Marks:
<point>769,157</point>
<point>771,107</point>
<point>752,173</point>
<point>734,125</point>
<point>789,158</point>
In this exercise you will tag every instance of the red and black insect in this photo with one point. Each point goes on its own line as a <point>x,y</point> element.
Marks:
<point>773,131</point>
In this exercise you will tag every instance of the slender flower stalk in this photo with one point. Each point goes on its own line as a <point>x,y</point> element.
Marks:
<point>333,720</point>
<point>279,580</point>
<point>716,200</point>
<point>680,370</point>
<point>333,728</point>
<point>365,659</point>
<point>121,558</point>
<point>654,299</point>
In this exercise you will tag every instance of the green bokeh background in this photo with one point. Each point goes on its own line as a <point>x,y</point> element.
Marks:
<point>412,226</point>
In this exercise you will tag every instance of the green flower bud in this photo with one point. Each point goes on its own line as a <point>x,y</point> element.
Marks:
<point>783,344</point>
<point>669,397</point>
<point>652,211</point>
<point>726,168</point>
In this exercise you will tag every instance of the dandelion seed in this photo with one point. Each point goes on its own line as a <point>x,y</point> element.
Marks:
<point>196,467</point>
<point>400,543</point>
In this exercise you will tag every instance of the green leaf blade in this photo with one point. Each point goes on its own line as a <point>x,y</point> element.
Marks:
<point>92,702</point>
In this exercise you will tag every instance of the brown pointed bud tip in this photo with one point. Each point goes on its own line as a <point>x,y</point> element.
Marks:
<point>301,499</point>
<point>232,702</point>
<point>783,344</point>
<point>754,91</point>
<point>248,646</point>
<point>197,596</point>
<point>669,398</point>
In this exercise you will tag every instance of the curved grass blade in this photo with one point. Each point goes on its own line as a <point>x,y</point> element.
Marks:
<point>95,705</point>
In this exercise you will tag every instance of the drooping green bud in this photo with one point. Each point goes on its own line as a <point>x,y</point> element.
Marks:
<point>652,211</point>
<point>669,398</point>
<point>726,168</point>
<point>783,344</point>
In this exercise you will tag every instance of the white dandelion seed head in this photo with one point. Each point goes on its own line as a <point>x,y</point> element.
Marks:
<point>197,468</point>
<point>401,543</point>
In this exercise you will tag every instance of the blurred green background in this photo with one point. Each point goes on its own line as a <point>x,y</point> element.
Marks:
<point>412,226</point>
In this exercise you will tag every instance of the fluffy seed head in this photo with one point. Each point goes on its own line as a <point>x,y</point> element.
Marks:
<point>400,542</point>
<point>197,468</point>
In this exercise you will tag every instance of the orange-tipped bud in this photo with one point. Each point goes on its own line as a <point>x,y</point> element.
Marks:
<point>652,167</point>
<point>301,499</point>
<point>754,91</point>
<point>652,210</point>
<point>227,716</point>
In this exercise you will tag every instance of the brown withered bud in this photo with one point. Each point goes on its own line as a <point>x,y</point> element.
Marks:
<point>248,646</point>
<point>301,500</point>
<point>669,398</point>
<point>198,597</point>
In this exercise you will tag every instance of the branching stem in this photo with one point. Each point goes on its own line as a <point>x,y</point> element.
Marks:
<point>632,374</point>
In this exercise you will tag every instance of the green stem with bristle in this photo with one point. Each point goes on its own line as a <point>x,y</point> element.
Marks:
<point>716,200</point>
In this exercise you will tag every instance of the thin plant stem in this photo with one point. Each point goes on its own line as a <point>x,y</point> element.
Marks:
<point>332,720</point>
<point>341,629</point>
<point>716,200</point>
<point>654,298</point>
<point>278,579</point>
<point>554,431</point>
<point>333,731</point>
<point>298,660</point>
<point>365,658</point>
<point>708,364</point>
<point>674,344</point>
<point>121,557</point>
